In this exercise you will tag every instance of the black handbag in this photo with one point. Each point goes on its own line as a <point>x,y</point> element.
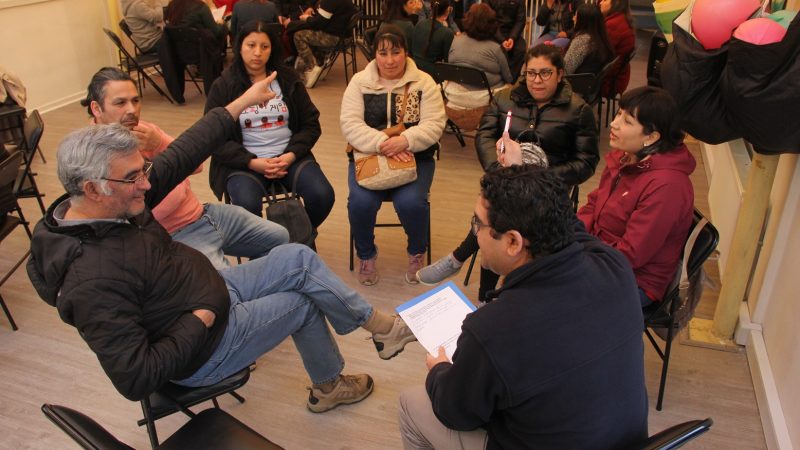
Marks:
<point>286,208</point>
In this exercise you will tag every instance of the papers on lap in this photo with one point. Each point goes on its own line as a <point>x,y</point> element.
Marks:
<point>435,317</point>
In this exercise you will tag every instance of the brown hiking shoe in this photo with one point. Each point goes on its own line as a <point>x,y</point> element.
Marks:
<point>414,265</point>
<point>368,272</point>
<point>348,389</point>
<point>394,341</point>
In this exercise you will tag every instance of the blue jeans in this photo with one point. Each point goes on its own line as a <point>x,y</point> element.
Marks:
<point>410,202</point>
<point>230,230</point>
<point>312,186</point>
<point>289,292</point>
<point>644,299</point>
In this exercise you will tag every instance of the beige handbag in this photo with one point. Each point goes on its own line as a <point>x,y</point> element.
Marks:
<point>377,172</point>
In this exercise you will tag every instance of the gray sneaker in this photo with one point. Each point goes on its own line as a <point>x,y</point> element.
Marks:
<point>394,341</point>
<point>438,271</point>
<point>348,389</point>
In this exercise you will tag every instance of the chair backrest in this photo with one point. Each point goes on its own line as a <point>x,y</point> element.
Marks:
<point>9,168</point>
<point>658,49</point>
<point>34,128</point>
<point>126,29</point>
<point>703,247</point>
<point>124,54</point>
<point>468,76</point>
<point>675,436</point>
<point>186,42</point>
<point>82,428</point>
<point>588,85</point>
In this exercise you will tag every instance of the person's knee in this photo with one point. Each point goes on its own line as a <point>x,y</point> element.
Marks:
<point>245,193</point>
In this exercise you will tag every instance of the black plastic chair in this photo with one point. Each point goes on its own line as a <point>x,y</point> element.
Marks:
<point>173,398</point>
<point>611,99</point>
<point>25,185</point>
<point>675,436</point>
<point>588,85</point>
<point>189,48</point>
<point>465,76</point>
<point>210,429</point>
<point>663,314</point>
<point>138,64</point>
<point>345,46</point>
<point>9,167</point>
<point>658,50</point>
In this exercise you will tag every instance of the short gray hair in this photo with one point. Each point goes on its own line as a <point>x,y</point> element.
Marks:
<point>86,154</point>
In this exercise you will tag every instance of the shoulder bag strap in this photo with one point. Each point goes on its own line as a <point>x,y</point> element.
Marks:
<point>687,252</point>
<point>297,175</point>
<point>405,103</point>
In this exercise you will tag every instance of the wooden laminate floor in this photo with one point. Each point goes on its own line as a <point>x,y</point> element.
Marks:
<point>46,361</point>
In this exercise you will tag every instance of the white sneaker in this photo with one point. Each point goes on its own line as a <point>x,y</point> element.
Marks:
<point>312,76</point>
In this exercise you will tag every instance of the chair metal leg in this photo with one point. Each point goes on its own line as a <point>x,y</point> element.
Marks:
<point>149,423</point>
<point>8,314</point>
<point>352,247</point>
<point>471,265</point>
<point>664,367</point>
<point>238,397</point>
<point>457,131</point>
<point>155,85</point>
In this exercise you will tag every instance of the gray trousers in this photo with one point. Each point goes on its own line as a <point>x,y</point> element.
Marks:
<point>305,39</point>
<point>420,429</point>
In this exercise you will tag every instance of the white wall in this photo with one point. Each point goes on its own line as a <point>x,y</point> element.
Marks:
<point>54,46</point>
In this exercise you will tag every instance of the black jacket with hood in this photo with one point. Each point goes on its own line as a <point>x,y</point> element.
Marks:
<point>129,288</point>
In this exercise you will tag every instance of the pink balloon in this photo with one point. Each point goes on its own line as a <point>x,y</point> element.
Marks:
<point>713,21</point>
<point>760,31</point>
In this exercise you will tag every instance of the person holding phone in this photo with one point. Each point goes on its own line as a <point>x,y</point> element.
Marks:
<point>545,115</point>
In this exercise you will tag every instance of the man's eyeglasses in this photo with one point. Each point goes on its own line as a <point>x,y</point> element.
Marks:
<point>144,174</point>
<point>544,74</point>
<point>476,225</point>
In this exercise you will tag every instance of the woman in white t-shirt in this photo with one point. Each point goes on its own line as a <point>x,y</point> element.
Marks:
<point>272,138</point>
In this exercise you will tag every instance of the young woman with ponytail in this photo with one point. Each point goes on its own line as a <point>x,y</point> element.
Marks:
<point>432,37</point>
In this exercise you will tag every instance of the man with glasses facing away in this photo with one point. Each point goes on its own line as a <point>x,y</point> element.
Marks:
<point>556,359</point>
<point>155,310</point>
<point>213,229</point>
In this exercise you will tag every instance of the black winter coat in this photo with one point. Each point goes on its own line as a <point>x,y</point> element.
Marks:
<point>565,128</point>
<point>129,288</point>
<point>303,122</point>
<point>510,18</point>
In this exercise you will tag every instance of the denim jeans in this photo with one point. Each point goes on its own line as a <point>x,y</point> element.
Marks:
<point>312,186</point>
<point>410,202</point>
<point>230,230</point>
<point>289,292</point>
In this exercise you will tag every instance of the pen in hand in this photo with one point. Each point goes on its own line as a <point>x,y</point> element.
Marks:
<point>505,131</point>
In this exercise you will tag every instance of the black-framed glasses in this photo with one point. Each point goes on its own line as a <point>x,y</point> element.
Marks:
<point>476,225</point>
<point>144,174</point>
<point>544,74</point>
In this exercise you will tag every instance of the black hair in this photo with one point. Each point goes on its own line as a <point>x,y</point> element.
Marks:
<point>393,10</point>
<point>176,10</point>
<point>96,91</point>
<point>533,201</point>
<point>656,110</point>
<point>551,52</point>
<point>438,7</point>
<point>590,21</point>
<point>276,51</point>
<point>391,34</point>
<point>623,7</point>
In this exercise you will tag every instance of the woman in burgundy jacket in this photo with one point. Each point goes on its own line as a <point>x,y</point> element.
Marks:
<point>619,26</point>
<point>645,201</point>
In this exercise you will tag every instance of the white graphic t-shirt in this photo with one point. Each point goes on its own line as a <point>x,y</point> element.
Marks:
<point>265,127</point>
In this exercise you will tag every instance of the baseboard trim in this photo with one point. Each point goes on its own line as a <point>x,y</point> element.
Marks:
<point>776,432</point>
<point>58,103</point>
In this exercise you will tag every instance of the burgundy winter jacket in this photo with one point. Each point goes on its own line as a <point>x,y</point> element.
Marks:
<point>623,40</point>
<point>644,210</point>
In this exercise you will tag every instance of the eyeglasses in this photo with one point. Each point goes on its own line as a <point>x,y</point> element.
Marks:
<point>476,225</point>
<point>544,74</point>
<point>144,174</point>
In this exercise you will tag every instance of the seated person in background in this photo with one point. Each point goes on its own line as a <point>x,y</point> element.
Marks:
<point>644,204</point>
<point>371,104</point>
<point>511,20</point>
<point>403,14</point>
<point>212,229</point>
<point>556,18</point>
<point>427,13</point>
<point>154,310</point>
<point>619,27</point>
<point>146,22</point>
<point>557,361</point>
<point>246,10</point>
<point>589,50</point>
<point>320,29</point>
<point>432,38</point>
<point>271,139</point>
<point>194,14</point>
<point>476,48</point>
<point>545,112</point>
